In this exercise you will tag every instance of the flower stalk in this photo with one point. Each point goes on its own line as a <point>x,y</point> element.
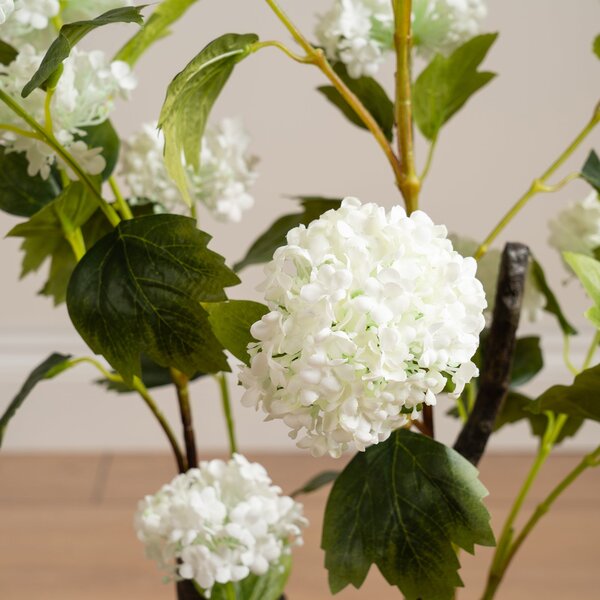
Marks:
<point>181,382</point>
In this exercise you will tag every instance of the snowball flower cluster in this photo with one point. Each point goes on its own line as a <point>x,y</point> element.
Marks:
<point>84,96</point>
<point>219,523</point>
<point>27,21</point>
<point>577,227</point>
<point>488,269</point>
<point>359,33</point>
<point>227,170</point>
<point>371,314</point>
<point>6,9</point>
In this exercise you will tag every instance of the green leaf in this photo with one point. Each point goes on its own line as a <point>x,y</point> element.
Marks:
<point>52,366</point>
<point>7,53</point>
<point>154,29</point>
<point>587,270</point>
<point>591,171</point>
<point>190,98</point>
<point>517,407</point>
<point>139,289</point>
<point>21,194</point>
<point>269,586</point>
<point>263,248</point>
<point>71,34</point>
<point>372,96</point>
<point>552,305</point>
<point>528,360</point>
<point>316,483</point>
<point>231,322</point>
<point>580,399</point>
<point>404,505</point>
<point>448,82</point>
<point>104,136</point>
<point>596,46</point>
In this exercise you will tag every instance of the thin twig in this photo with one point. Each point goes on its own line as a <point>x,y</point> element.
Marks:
<point>181,382</point>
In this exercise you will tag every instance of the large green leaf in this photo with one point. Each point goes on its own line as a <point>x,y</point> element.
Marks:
<point>372,96</point>
<point>587,270</point>
<point>552,305</point>
<point>265,587</point>
<point>263,248</point>
<point>139,289</point>
<point>516,407</point>
<point>404,505</point>
<point>104,136</point>
<point>591,171</point>
<point>448,82</point>
<point>7,53</point>
<point>581,399</point>
<point>71,34</point>
<point>155,28</point>
<point>528,360</point>
<point>190,98</point>
<point>231,322</point>
<point>52,366</point>
<point>21,194</point>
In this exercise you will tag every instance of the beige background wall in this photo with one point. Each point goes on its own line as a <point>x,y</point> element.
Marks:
<point>487,156</point>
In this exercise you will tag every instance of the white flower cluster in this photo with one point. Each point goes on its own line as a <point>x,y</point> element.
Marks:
<point>371,314</point>
<point>219,523</point>
<point>227,170</point>
<point>28,21</point>
<point>84,96</point>
<point>6,9</point>
<point>488,269</point>
<point>360,32</point>
<point>577,227</point>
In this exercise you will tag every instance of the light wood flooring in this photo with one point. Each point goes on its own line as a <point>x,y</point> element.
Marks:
<point>66,530</point>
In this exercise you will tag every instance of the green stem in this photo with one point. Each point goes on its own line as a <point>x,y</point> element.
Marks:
<point>429,160</point>
<point>141,389</point>
<point>48,110</point>
<point>539,185</point>
<point>226,402</point>
<point>49,139</point>
<point>410,184</point>
<point>181,382</point>
<point>19,131</point>
<point>230,591</point>
<point>77,243</point>
<point>317,57</point>
<point>120,200</point>
<point>567,354</point>
<point>275,44</point>
<point>592,350</point>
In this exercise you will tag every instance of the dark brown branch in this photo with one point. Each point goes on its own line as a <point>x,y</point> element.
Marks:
<point>181,383</point>
<point>499,354</point>
<point>187,591</point>
<point>427,425</point>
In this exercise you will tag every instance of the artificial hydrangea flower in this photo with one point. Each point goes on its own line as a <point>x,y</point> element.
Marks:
<point>76,10</point>
<point>360,32</point>
<point>227,170</point>
<point>28,21</point>
<point>84,96</point>
<point>6,9</point>
<point>488,269</point>
<point>371,314</point>
<point>219,523</point>
<point>577,227</point>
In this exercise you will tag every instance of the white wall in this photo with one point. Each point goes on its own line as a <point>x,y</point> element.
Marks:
<point>486,158</point>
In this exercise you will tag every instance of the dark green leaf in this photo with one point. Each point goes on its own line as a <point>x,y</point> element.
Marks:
<point>552,305</point>
<point>316,483</point>
<point>155,28</point>
<point>21,194</point>
<point>528,360</point>
<point>139,289</point>
<point>263,248</point>
<point>448,82</point>
<point>580,399</point>
<point>231,322</point>
<point>404,505</point>
<point>52,366</point>
<point>372,96</point>
<point>153,376</point>
<point>7,53</point>
<point>587,270</point>
<point>71,34</point>
<point>596,46</point>
<point>190,98</point>
<point>516,408</point>
<point>104,136</point>
<point>591,171</point>
<point>266,587</point>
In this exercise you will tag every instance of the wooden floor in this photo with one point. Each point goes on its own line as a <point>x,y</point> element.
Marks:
<point>66,532</point>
